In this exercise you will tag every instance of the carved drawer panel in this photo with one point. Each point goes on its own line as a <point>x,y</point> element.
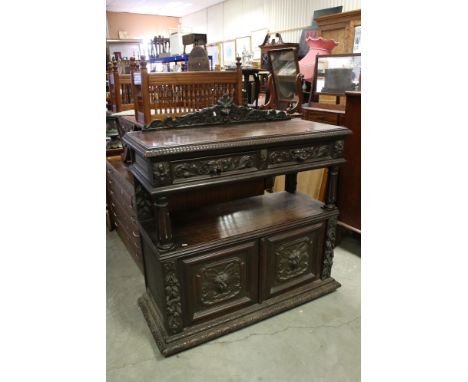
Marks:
<point>203,168</point>
<point>300,154</point>
<point>290,259</point>
<point>220,282</point>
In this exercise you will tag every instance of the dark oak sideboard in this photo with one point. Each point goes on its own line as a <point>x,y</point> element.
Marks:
<point>217,268</point>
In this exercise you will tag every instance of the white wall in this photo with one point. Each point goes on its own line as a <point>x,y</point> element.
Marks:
<point>238,18</point>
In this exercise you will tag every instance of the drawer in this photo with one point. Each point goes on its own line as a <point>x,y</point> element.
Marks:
<point>290,259</point>
<point>299,154</point>
<point>130,243</point>
<point>214,166</point>
<point>220,282</point>
<point>128,223</point>
<point>118,195</point>
<point>323,117</point>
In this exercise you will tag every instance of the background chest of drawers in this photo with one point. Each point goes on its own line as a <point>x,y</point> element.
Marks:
<point>121,206</point>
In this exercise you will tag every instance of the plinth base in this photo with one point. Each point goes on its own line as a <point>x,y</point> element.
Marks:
<point>198,334</point>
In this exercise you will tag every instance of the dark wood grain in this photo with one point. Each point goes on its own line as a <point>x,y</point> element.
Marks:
<point>152,140</point>
<point>349,183</point>
<point>121,206</point>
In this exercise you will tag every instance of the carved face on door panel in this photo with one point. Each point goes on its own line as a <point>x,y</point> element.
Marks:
<point>220,282</point>
<point>292,259</point>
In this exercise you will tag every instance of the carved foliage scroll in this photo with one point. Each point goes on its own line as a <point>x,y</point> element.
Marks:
<point>299,154</point>
<point>220,282</point>
<point>329,244</point>
<point>292,258</point>
<point>213,166</point>
<point>143,202</point>
<point>173,298</point>
<point>224,112</point>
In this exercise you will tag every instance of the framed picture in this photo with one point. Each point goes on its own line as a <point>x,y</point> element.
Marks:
<point>229,53</point>
<point>357,39</point>
<point>243,44</point>
<point>214,50</point>
<point>257,39</point>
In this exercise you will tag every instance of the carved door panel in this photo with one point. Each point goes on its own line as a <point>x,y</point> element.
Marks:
<point>216,283</point>
<point>290,259</point>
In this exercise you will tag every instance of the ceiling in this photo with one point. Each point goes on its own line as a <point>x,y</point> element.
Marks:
<point>177,8</point>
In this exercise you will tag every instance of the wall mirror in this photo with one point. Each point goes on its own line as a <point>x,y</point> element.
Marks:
<point>337,73</point>
<point>286,79</point>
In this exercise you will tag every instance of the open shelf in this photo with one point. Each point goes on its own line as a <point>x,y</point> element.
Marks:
<point>240,217</point>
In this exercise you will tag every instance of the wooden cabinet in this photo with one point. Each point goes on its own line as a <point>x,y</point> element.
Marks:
<point>221,266</point>
<point>340,27</point>
<point>121,206</point>
<point>349,184</point>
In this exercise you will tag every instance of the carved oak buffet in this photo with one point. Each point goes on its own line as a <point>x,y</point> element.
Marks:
<point>215,269</point>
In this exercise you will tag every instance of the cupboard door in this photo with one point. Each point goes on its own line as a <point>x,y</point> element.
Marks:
<point>219,282</point>
<point>291,258</point>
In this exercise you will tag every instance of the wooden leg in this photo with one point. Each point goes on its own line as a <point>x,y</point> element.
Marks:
<point>330,199</point>
<point>165,242</point>
<point>290,184</point>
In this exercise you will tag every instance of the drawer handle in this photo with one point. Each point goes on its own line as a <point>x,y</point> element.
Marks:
<point>135,235</point>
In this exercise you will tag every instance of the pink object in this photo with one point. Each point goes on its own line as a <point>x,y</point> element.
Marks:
<point>317,46</point>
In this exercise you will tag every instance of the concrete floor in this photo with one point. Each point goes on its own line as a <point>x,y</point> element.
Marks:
<point>318,341</point>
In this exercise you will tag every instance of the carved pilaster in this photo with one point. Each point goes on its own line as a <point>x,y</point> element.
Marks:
<point>330,199</point>
<point>143,202</point>
<point>173,298</point>
<point>165,242</point>
<point>329,244</point>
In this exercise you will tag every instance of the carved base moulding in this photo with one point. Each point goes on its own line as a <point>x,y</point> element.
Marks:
<point>171,344</point>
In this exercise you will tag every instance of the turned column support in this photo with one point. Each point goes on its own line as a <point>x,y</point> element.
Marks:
<point>290,182</point>
<point>330,198</point>
<point>163,219</point>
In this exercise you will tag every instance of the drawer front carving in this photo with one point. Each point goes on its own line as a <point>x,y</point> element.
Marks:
<point>183,171</point>
<point>220,282</point>
<point>291,258</point>
<point>299,154</point>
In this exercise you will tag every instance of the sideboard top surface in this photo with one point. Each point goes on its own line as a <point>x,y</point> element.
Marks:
<point>176,140</point>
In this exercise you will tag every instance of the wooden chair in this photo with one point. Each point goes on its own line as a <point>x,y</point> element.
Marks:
<point>120,87</point>
<point>161,95</point>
